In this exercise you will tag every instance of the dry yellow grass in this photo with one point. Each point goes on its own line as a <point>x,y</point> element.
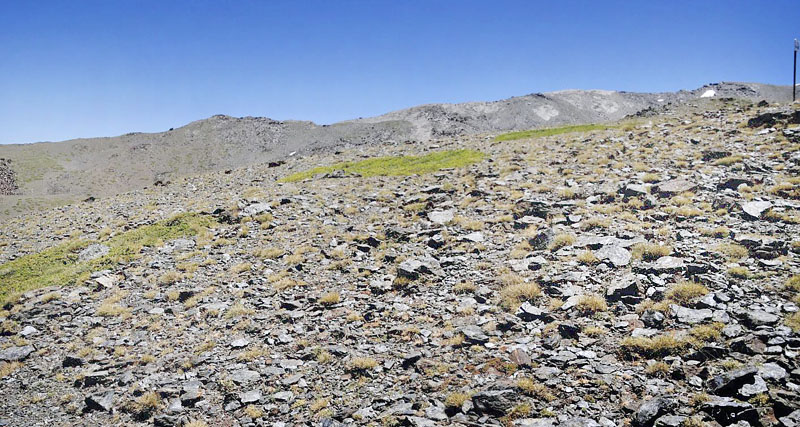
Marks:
<point>561,240</point>
<point>455,400</point>
<point>587,258</point>
<point>732,251</point>
<point>590,304</point>
<point>657,346</point>
<point>511,296</point>
<point>361,364</point>
<point>330,298</point>
<point>650,251</point>
<point>684,292</point>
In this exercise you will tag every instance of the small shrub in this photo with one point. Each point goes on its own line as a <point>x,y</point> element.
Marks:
<point>253,412</point>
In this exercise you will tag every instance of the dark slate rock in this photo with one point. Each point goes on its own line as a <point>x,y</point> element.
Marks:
<point>494,402</point>
<point>727,411</point>
<point>728,383</point>
<point>99,401</point>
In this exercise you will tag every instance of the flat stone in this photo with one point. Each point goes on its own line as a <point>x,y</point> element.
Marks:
<point>15,354</point>
<point>728,383</point>
<point>250,396</point>
<point>753,210</point>
<point>616,255</point>
<point>92,252</point>
<point>674,187</point>
<point>283,396</point>
<point>245,376</point>
<point>441,217</point>
<point>475,334</point>
<point>494,402</point>
<point>652,409</point>
<point>100,401</point>
<point>689,315</point>
<point>28,331</point>
<point>240,343</point>
<point>529,312</point>
<point>756,318</point>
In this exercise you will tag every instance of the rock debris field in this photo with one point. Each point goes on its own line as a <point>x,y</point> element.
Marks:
<point>643,273</point>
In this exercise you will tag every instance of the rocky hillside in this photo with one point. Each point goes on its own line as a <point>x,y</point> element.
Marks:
<point>52,174</point>
<point>641,273</point>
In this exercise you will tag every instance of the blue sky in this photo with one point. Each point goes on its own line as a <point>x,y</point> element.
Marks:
<point>88,68</point>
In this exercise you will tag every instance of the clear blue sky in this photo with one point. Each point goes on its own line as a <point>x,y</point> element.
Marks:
<point>87,68</point>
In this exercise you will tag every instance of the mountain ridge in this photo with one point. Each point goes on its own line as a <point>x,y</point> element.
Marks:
<point>48,174</point>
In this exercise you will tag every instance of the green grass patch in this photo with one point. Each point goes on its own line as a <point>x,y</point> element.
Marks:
<point>59,265</point>
<point>536,133</point>
<point>397,166</point>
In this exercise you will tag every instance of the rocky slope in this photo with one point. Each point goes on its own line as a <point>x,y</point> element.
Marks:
<point>52,174</point>
<point>646,274</point>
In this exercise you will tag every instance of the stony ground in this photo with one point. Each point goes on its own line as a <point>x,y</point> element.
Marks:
<point>641,275</point>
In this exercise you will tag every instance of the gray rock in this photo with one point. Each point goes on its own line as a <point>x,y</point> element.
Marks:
<point>624,289</point>
<point>616,255</point>
<point>494,402</point>
<point>412,268</point>
<point>535,422</point>
<point>750,390</point>
<point>652,409</point>
<point>15,354</point>
<point>653,318</point>
<point>772,371</point>
<point>670,421</point>
<point>283,396</point>
<point>529,312</point>
<point>689,315</point>
<point>100,401</point>
<point>250,396</point>
<point>674,187</point>
<point>240,343</point>
<point>756,318</point>
<point>728,383</point>
<point>753,210</point>
<point>520,357</point>
<point>28,331</point>
<point>441,217</point>
<point>727,411</point>
<point>791,420</point>
<point>474,334</point>
<point>245,376</point>
<point>93,251</point>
